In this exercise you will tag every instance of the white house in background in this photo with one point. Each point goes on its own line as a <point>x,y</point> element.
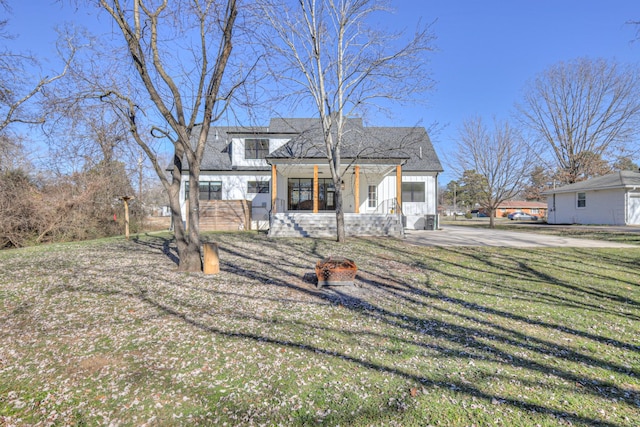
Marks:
<point>609,200</point>
<point>389,177</point>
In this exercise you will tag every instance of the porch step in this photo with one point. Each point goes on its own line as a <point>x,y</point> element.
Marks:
<point>324,225</point>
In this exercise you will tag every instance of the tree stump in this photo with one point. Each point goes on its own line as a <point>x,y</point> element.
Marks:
<point>211,259</point>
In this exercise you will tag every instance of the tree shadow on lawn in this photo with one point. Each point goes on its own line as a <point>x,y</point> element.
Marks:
<point>164,244</point>
<point>480,342</point>
<point>522,271</point>
<point>520,268</point>
<point>446,331</point>
<point>523,268</point>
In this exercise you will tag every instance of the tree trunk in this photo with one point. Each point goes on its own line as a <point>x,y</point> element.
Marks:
<point>191,257</point>
<point>340,233</point>
<point>492,218</point>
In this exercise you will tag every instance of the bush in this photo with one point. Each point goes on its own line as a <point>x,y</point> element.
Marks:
<point>20,216</point>
<point>74,207</point>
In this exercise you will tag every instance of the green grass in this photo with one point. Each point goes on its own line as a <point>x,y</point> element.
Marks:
<point>109,332</point>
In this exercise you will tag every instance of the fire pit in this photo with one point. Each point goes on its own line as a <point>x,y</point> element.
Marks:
<point>335,271</point>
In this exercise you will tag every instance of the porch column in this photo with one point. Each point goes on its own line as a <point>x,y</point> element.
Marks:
<point>399,186</point>
<point>357,187</point>
<point>315,188</point>
<point>274,188</point>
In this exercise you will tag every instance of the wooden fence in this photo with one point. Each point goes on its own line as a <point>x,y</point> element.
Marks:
<point>225,215</point>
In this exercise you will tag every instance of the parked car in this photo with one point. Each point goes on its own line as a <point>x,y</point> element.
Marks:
<point>522,216</point>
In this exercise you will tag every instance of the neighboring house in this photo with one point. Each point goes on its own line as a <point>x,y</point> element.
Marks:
<point>609,200</point>
<point>281,174</point>
<point>538,209</point>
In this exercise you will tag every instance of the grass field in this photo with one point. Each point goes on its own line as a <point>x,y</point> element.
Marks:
<point>109,333</point>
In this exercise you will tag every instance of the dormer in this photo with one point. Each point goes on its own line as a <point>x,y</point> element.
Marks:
<point>249,151</point>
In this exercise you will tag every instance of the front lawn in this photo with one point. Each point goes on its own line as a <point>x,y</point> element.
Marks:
<point>108,332</point>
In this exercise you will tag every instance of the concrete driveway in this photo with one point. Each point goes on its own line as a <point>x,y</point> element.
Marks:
<point>451,235</point>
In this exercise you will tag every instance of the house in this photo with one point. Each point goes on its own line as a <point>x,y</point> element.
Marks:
<point>612,199</point>
<point>278,178</point>
<point>538,209</point>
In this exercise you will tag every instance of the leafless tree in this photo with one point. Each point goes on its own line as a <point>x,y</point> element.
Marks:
<point>329,51</point>
<point>18,86</point>
<point>500,156</point>
<point>21,90</point>
<point>582,110</point>
<point>179,51</point>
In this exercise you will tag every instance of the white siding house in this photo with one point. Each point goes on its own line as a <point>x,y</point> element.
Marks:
<point>244,163</point>
<point>608,200</point>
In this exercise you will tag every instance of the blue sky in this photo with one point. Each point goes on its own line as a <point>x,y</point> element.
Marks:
<point>486,50</point>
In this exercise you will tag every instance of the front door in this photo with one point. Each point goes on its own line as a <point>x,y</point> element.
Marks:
<point>326,195</point>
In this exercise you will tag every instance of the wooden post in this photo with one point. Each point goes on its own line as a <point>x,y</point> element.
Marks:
<point>399,187</point>
<point>357,187</point>
<point>274,188</point>
<point>211,259</point>
<point>315,188</point>
<point>126,199</point>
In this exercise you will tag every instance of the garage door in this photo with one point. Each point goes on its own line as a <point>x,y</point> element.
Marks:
<point>634,209</point>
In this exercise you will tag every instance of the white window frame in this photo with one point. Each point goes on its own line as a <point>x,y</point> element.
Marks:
<point>582,199</point>
<point>372,196</point>
<point>412,190</point>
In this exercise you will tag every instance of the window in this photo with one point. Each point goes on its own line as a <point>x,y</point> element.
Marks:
<point>258,187</point>
<point>300,194</point>
<point>412,192</point>
<point>582,200</point>
<point>373,196</point>
<point>256,148</point>
<point>534,210</point>
<point>207,190</point>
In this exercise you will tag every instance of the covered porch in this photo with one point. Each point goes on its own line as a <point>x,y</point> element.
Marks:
<point>303,199</point>
<point>372,188</point>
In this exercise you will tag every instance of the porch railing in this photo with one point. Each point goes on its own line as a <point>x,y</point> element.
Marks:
<point>389,206</point>
<point>279,206</point>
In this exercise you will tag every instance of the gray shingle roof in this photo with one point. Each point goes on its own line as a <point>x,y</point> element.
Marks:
<point>621,179</point>
<point>410,144</point>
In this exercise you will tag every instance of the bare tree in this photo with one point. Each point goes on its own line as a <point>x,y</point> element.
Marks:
<point>581,111</point>
<point>21,88</point>
<point>179,51</point>
<point>18,86</point>
<point>501,158</point>
<point>329,52</point>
